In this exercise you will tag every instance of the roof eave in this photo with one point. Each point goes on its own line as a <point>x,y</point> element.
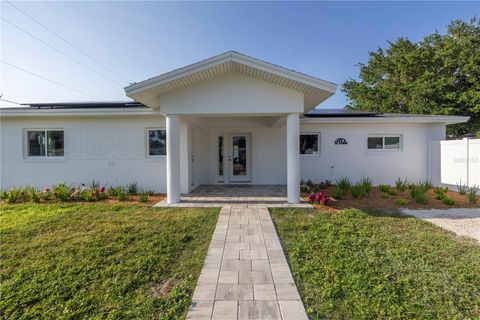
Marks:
<point>223,58</point>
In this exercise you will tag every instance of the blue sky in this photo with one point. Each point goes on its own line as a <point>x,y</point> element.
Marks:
<point>138,40</point>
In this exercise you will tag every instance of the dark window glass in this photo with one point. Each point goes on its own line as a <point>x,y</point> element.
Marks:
<point>375,143</point>
<point>392,142</point>
<point>55,143</point>
<point>36,143</point>
<point>239,155</point>
<point>220,156</point>
<point>309,144</point>
<point>157,142</point>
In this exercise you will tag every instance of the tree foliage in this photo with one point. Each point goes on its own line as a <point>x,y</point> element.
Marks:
<point>439,75</point>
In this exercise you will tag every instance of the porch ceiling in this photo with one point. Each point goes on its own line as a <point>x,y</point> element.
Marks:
<point>149,91</point>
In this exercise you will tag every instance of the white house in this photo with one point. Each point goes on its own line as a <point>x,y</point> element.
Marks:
<point>230,119</point>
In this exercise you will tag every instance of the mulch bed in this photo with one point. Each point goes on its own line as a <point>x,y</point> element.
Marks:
<point>376,201</point>
<point>131,199</point>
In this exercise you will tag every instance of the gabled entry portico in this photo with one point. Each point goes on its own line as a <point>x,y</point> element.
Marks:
<point>232,119</point>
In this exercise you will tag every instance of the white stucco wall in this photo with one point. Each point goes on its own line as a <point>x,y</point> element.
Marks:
<point>231,93</point>
<point>355,161</point>
<point>110,150</point>
<point>113,151</point>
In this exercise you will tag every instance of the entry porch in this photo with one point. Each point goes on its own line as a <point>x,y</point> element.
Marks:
<point>271,196</point>
<point>247,153</point>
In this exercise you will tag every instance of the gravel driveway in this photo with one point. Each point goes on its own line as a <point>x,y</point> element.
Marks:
<point>464,222</point>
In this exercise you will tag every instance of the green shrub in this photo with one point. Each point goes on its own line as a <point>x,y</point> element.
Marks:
<point>338,193</point>
<point>144,197</point>
<point>439,190</point>
<point>121,194</point>
<point>462,188</point>
<point>384,196</point>
<point>343,184</point>
<point>472,194</point>
<point>448,201</point>
<point>402,201</point>
<point>357,190</point>
<point>62,192</point>
<point>13,195</point>
<point>34,194</point>
<point>401,185</point>
<point>440,193</point>
<point>392,192</point>
<point>384,187</point>
<point>362,188</point>
<point>94,185</point>
<point>89,195</point>
<point>418,193</point>
<point>149,192</point>
<point>426,185</point>
<point>440,196</point>
<point>387,189</point>
<point>366,184</point>
<point>132,188</point>
<point>114,191</point>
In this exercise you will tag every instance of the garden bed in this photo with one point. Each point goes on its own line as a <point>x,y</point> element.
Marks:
<point>379,200</point>
<point>94,192</point>
<point>363,195</point>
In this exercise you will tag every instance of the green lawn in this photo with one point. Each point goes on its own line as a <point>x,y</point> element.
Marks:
<point>101,261</point>
<point>360,265</point>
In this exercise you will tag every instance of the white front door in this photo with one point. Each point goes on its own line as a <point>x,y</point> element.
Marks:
<point>239,158</point>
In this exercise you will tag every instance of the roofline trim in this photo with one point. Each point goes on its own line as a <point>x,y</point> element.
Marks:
<point>67,112</point>
<point>29,112</point>
<point>235,57</point>
<point>389,119</point>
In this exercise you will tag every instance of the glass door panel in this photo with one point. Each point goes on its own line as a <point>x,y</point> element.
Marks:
<point>239,158</point>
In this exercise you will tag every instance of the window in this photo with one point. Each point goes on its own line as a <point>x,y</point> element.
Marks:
<point>390,142</point>
<point>220,156</point>
<point>309,143</point>
<point>157,142</point>
<point>45,143</point>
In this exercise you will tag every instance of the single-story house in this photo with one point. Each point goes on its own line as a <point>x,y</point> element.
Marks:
<point>230,119</point>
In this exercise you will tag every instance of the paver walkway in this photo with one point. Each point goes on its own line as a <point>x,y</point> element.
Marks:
<point>246,275</point>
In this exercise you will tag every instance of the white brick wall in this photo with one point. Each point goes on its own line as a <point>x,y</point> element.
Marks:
<point>90,146</point>
<point>113,151</point>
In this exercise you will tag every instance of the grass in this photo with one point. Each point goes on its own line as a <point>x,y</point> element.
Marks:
<point>102,261</point>
<point>358,264</point>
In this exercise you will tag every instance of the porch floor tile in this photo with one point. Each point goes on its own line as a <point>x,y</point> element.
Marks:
<point>243,196</point>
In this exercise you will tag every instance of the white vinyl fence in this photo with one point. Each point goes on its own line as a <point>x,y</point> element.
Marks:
<point>454,161</point>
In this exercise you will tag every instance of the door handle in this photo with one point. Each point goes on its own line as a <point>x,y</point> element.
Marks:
<point>229,158</point>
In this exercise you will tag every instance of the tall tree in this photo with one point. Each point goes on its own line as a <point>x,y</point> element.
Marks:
<point>439,75</point>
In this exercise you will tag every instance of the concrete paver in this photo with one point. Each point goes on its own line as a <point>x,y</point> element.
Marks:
<point>245,274</point>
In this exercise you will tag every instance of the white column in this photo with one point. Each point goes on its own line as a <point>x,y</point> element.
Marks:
<point>173,159</point>
<point>293,158</point>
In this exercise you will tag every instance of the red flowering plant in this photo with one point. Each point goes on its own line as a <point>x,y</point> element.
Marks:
<point>319,198</point>
<point>100,193</point>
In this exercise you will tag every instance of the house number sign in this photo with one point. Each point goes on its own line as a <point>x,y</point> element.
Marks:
<point>341,141</point>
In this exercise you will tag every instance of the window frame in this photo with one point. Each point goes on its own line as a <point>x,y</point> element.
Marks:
<point>383,136</point>
<point>318,134</point>
<point>147,143</point>
<point>46,156</point>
